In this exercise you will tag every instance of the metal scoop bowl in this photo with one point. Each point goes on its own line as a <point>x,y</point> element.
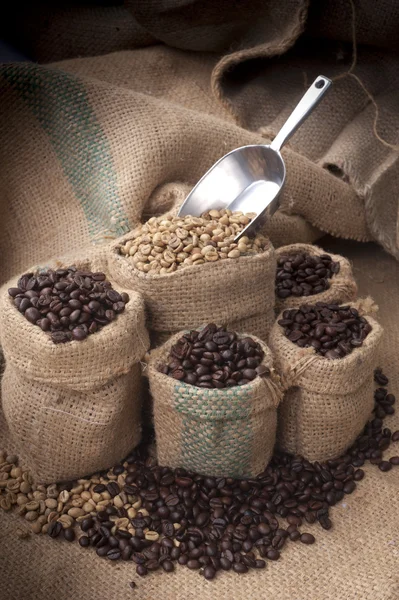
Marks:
<point>250,178</point>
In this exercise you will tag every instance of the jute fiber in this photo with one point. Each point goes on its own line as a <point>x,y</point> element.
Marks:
<point>72,408</point>
<point>217,432</point>
<point>327,402</point>
<point>342,288</point>
<point>237,293</point>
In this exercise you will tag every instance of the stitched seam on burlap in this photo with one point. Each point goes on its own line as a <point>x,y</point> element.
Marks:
<point>216,440</point>
<point>60,103</point>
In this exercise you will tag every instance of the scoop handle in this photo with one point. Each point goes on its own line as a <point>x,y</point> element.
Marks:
<point>303,109</point>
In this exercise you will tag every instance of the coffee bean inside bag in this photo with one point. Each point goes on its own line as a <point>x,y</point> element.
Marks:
<point>325,355</point>
<point>71,393</point>
<point>305,273</point>
<point>223,423</point>
<point>190,271</point>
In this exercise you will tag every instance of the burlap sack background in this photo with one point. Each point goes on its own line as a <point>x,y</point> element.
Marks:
<point>52,195</point>
<point>327,402</point>
<point>114,130</point>
<point>195,296</point>
<point>342,288</point>
<point>221,433</point>
<point>72,408</point>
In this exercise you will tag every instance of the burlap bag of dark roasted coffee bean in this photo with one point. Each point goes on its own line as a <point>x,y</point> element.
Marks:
<point>220,432</point>
<point>342,285</point>
<point>327,402</point>
<point>72,408</point>
<point>237,293</point>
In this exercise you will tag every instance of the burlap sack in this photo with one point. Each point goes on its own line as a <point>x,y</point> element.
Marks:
<point>223,433</point>
<point>342,288</point>
<point>327,402</point>
<point>237,293</point>
<point>72,408</point>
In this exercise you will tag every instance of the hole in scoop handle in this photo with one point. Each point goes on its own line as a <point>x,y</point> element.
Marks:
<point>305,106</point>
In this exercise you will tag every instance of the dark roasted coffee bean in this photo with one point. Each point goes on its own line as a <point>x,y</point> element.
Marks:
<point>69,534</point>
<point>102,550</point>
<point>54,529</point>
<point>32,314</point>
<point>240,568</point>
<point>209,572</point>
<point>349,487</point>
<point>394,460</point>
<point>168,566</point>
<point>113,489</point>
<point>395,436</point>
<point>84,541</point>
<point>385,465</point>
<point>113,554</point>
<point>141,570</point>
<point>225,564</point>
<point>273,554</point>
<point>358,475</point>
<point>193,564</point>
<point>307,538</point>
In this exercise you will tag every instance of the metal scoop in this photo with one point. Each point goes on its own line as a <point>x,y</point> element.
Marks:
<point>251,178</point>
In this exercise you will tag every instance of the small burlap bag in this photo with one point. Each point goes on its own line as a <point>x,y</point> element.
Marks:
<point>217,432</point>
<point>72,408</point>
<point>237,293</point>
<point>327,402</point>
<point>342,288</point>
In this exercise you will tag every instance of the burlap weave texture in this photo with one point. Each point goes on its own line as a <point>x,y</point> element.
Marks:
<point>327,402</point>
<point>72,408</point>
<point>224,433</point>
<point>238,293</point>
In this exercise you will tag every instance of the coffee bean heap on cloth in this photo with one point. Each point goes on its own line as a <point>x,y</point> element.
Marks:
<point>165,244</point>
<point>154,516</point>
<point>333,331</point>
<point>68,303</point>
<point>215,358</point>
<point>304,275</point>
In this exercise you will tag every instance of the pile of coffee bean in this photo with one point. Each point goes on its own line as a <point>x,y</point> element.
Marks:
<point>304,275</point>
<point>69,303</point>
<point>215,358</point>
<point>165,244</point>
<point>333,331</point>
<point>156,517</point>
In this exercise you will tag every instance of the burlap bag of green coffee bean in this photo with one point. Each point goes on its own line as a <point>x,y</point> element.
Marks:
<point>217,432</point>
<point>327,402</point>
<point>342,288</point>
<point>72,408</point>
<point>237,293</point>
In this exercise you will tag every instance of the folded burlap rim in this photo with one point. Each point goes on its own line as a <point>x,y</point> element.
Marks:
<point>34,354</point>
<point>272,382</point>
<point>296,374</point>
<point>343,287</point>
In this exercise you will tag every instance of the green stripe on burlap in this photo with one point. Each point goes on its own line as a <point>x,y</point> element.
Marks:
<point>217,440</point>
<point>60,103</point>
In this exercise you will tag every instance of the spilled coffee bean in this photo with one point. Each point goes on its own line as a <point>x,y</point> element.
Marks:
<point>69,304</point>
<point>304,275</point>
<point>333,331</point>
<point>161,516</point>
<point>215,358</point>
